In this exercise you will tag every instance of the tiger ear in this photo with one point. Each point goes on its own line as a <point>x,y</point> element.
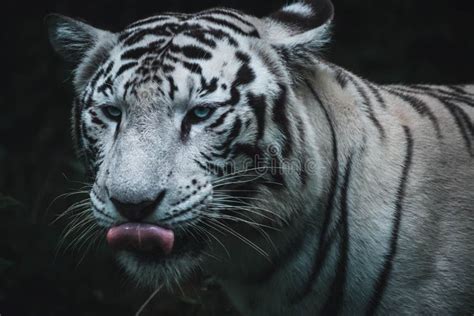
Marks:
<point>72,39</point>
<point>83,46</point>
<point>300,30</point>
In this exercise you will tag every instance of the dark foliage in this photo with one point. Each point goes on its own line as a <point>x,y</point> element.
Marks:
<point>400,41</point>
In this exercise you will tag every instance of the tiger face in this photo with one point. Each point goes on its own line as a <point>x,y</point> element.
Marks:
<point>184,121</point>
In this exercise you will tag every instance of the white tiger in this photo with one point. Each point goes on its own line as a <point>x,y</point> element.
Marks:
<point>224,142</point>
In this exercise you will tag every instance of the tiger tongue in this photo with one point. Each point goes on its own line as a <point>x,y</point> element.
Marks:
<point>141,237</point>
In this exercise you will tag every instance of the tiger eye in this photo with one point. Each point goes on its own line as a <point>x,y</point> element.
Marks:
<point>201,112</point>
<point>112,112</point>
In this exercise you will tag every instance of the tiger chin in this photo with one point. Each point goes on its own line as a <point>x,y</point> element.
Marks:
<point>223,143</point>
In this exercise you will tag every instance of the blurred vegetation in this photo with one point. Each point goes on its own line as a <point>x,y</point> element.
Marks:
<point>400,41</point>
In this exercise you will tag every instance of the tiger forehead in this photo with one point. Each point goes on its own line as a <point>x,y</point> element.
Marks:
<point>207,28</point>
<point>169,24</point>
<point>165,51</point>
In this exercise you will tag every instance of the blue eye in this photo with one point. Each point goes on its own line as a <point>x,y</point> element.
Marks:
<point>202,112</point>
<point>112,112</point>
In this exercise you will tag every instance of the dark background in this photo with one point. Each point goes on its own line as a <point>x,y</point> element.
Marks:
<point>396,41</point>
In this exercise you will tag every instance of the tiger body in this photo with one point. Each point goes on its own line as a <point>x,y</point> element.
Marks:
<point>355,198</point>
<point>431,246</point>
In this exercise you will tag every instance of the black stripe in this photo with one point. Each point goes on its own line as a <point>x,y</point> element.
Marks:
<point>229,25</point>
<point>457,91</point>
<point>438,94</point>
<point>341,78</point>
<point>249,150</point>
<point>208,88</point>
<point>96,78</point>
<point>193,67</point>
<point>195,52</point>
<point>129,86</point>
<point>220,34</point>
<point>201,165</point>
<point>460,89</point>
<point>220,120</point>
<point>458,97</point>
<point>167,68</point>
<point>323,245</point>
<point>130,38</point>
<point>243,57</point>
<point>172,86</point>
<point>463,123</point>
<point>461,119</point>
<point>148,21</point>
<point>340,75</point>
<point>125,67</point>
<point>229,13</point>
<point>234,133</point>
<point>91,152</point>
<point>335,300</point>
<point>109,67</point>
<point>420,106</point>
<point>365,98</point>
<point>106,88</point>
<point>88,101</point>
<point>244,76</point>
<point>97,121</point>
<point>102,212</point>
<point>137,53</point>
<point>216,169</point>
<point>280,117</point>
<point>382,280</point>
<point>205,156</point>
<point>200,36</point>
<point>234,96</point>
<point>303,154</point>
<point>334,169</point>
<point>259,106</point>
<point>378,96</point>
<point>464,100</point>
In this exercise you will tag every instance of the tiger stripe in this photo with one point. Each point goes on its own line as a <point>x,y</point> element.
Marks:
<point>382,280</point>
<point>333,304</point>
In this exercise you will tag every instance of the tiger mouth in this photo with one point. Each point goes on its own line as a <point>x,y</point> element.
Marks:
<point>152,243</point>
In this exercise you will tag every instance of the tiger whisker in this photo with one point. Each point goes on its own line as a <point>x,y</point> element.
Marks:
<point>81,234</point>
<point>221,206</point>
<point>244,203</point>
<point>65,195</point>
<point>253,210</point>
<point>72,211</point>
<point>245,240</point>
<point>257,226</point>
<point>89,241</point>
<point>240,172</point>
<point>75,226</point>
<point>148,300</point>
<point>219,185</point>
<point>216,239</point>
<point>237,219</point>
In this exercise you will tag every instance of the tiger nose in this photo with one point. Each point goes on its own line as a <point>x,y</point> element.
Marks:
<point>137,211</point>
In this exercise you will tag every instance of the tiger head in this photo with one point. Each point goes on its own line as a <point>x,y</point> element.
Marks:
<point>185,122</point>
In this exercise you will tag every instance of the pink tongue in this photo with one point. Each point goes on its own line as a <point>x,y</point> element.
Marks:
<point>137,236</point>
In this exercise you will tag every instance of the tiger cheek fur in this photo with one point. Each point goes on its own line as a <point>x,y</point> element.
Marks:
<point>227,141</point>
